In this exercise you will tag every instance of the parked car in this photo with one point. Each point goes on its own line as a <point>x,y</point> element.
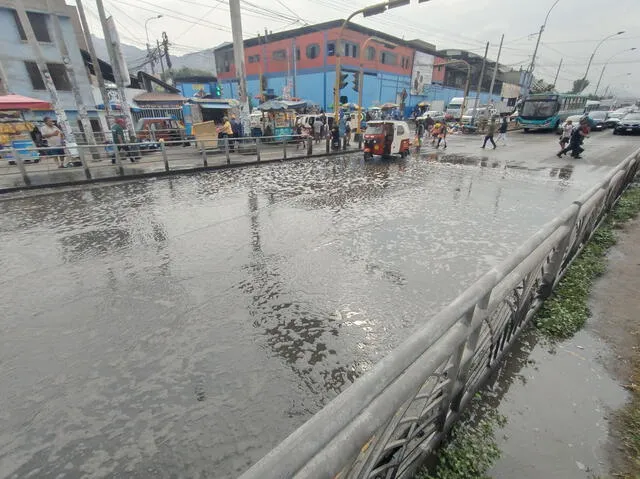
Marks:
<point>435,114</point>
<point>629,125</point>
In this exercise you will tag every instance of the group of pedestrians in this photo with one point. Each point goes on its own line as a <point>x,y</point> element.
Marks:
<point>572,138</point>
<point>430,128</point>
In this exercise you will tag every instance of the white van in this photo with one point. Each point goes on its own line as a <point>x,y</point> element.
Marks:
<point>454,108</point>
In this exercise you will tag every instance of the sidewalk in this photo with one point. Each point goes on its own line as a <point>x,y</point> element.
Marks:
<point>563,401</point>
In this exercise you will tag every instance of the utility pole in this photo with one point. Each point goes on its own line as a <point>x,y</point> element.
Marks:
<point>160,58</point>
<point>95,62</point>
<point>71,73</point>
<point>114,55</point>
<point>295,66</point>
<point>555,80</point>
<point>63,122</point>
<point>238,55</point>
<point>165,45</point>
<point>600,79</point>
<point>475,103</point>
<point>495,70</point>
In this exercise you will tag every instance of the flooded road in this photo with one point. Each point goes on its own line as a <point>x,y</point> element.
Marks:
<point>183,327</point>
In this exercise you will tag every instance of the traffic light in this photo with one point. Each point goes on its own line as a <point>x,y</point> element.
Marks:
<point>343,80</point>
<point>356,81</point>
<point>218,90</point>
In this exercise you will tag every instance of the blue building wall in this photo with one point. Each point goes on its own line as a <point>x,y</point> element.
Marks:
<point>192,89</point>
<point>317,86</point>
<point>15,52</point>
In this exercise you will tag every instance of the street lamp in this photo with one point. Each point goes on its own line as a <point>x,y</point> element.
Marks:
<point>594,54</point>
<point>146,29</point>
<point>535,51</point>
<point>607,62</point>
<point>366,12</point>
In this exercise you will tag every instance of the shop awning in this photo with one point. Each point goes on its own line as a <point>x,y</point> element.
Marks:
<point>19,102</point>
<point>214,106</point>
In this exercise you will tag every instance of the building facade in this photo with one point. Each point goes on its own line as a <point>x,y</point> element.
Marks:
<point>301,63</point>
<point>18,58</point>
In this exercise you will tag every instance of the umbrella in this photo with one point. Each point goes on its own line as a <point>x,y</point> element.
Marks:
<point>374,108</point>
<point>273,105</point>
<point>388,106</point>
<point>350,106</point>
<point>19,102</point>
<point>423,103</point>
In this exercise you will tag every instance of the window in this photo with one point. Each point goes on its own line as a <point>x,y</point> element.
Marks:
<point>38,24</point>
<point>331,49</point>
<point>34,76</point>
<point>313,51</point>
<point>371,54</point>
<point>279,55</point>
<point>58,76</point>
<point>405,63</point>
<point>388,58</point>
<point>350,50</point>
<point>298,54</point>
<point>254,58</point>
<point>400,130</point>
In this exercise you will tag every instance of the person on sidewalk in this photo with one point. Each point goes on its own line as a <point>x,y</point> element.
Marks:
<point>53,136</point>
<point>502,131</point>
<point>117,130</point>
<point>491,130</point>
<point>317,130</point>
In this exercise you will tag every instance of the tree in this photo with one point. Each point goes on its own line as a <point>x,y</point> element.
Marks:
<point>186,72</point>
<point>579,85</point>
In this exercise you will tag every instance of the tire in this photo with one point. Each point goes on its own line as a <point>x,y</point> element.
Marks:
<point>525,130</point>
<point>368,156</point>
<point>615,132</point>
<point>36,160</point>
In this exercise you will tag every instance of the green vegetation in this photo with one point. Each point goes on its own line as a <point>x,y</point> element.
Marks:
<point>628,426</point>
<point>566,311</point>
<point>471,449</point>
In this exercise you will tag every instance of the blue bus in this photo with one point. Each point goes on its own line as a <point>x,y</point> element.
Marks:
<point>549,110</point>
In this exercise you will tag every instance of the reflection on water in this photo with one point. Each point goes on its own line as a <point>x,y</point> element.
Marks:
<point>181,328</point>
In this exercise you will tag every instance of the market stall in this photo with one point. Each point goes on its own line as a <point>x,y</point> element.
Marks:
<point>15,131</point>
<point>278,118</point>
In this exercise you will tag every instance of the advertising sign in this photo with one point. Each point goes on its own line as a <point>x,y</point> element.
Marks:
<point>422,73</point>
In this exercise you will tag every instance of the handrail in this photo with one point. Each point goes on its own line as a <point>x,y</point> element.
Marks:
<point>367,428</point>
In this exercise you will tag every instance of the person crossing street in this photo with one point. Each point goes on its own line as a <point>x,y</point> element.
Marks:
<point>491,130</point>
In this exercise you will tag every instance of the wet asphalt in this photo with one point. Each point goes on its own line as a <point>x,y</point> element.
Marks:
<point>182,327</point>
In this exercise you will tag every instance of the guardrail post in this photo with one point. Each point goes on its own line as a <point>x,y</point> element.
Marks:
<point>23,170</point>
<point>310,146</point>
<point>552,274</point>
<point>163,149</point>
<point>203,152</point>
<point>328,142</point>
<point>226,149</point>
<point>344,143</point>
<point>475,321</point>
<point>258,149</point>
<point>118,159</point>
<point>284,148</point>
<point>360,142</point>
<point>83,160</point>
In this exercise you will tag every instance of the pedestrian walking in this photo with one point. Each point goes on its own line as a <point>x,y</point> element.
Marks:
<point>347,131</point>
<point>434,132</point>
<point>53,136</point>
<point>502,131</point>
<point>442,136</point>
<point>419,133</point>
<point>491,130</point>
<point>117,131</point>
<point>317,130</point>
<point>575,142</point>
<point>567,129</point>
<point>429,122</point>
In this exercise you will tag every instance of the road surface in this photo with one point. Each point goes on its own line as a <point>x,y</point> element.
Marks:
<point>182,327</point>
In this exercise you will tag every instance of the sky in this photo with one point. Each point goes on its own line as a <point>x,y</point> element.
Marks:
<point>573,30</point>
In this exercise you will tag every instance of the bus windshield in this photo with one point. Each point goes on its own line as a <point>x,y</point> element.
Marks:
<point>539,108</point>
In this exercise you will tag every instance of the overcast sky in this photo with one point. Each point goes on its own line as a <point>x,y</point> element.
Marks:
<point>574,29</point>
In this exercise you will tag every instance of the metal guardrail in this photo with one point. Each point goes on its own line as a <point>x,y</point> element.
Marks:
<point>396,414</point>
<point>25,167</point>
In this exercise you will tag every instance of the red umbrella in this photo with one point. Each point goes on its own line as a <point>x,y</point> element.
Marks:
<point>19,102</point>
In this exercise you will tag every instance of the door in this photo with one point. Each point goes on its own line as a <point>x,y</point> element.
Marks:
<point>398,134</point>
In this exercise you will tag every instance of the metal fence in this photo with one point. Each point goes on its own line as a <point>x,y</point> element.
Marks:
<point>30,167</point>
<point>390,419</point>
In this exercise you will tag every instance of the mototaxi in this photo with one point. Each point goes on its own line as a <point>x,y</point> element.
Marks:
<point>386,138</point>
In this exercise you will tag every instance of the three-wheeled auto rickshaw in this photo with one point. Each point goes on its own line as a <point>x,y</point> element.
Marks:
<point>386,138</point>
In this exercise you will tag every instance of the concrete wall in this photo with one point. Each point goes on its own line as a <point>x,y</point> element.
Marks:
<point>16,52</point>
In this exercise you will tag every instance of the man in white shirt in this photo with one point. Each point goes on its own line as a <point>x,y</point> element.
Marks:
<point>54,137</point>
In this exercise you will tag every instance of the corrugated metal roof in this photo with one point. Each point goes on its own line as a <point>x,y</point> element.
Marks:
<point>159,96</point>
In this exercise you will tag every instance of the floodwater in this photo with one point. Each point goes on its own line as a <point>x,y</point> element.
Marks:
<point>183,327</point>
